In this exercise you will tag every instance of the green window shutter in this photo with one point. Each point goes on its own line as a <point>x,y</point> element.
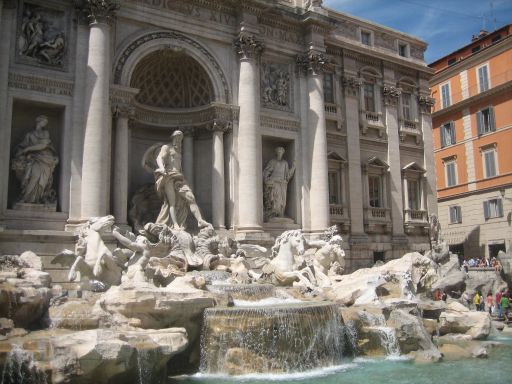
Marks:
<point>479,122</point>
<point>486,210</point>
<point>443,136</point>
<point>492,120</point>
<point>452,132</point>
<point>500,208</point>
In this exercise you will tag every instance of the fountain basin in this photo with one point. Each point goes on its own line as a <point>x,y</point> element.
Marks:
<point>244,291</point>
<point>273,339</point>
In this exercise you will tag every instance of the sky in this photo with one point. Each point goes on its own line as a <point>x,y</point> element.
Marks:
<point>445,25</point>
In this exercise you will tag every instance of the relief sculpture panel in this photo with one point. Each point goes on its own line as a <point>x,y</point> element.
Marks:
<point>275,86</point>
<point>42,37</point>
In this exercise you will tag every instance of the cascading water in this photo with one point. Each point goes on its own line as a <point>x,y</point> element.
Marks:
<point>20,367</point>
<point>277,339</point>
<point>387,335</point>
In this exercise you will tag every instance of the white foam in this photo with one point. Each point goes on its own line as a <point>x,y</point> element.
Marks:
<point>269,301</point>
<point>319,372</point>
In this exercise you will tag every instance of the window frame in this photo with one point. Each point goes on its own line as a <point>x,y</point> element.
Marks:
<point>455,214</point>
<point>369,33</point>
<point>484,125</point>
<point>488,79</point>
<point>443,134</point>
<point>485,152</point>
<point>447,164</point>
<point>497,208</point>
<point>445,101</point>
<point>417,194</point>
<point>330,75</point>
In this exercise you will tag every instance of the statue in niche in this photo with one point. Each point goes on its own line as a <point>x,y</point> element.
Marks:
<point>276,176</point>
<point>39,39</point>
<point>165,163</point>
<point>33,163</point>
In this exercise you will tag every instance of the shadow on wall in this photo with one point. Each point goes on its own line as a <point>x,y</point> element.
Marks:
<point>473,245</point>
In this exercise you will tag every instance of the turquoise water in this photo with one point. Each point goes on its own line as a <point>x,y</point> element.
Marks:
<point>496,369</point>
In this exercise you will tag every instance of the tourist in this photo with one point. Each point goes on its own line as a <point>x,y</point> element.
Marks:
<point>466,299</point>
<point>444,296</point>
<point>489,302</point>
<point>504,306</point>
<point>472,263</point>
<point>499,294</point>
<point>476,301</point>
<point>465,266</point>
<point>498,267</point>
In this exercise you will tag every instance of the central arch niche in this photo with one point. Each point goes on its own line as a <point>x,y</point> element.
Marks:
<point>171,79</point>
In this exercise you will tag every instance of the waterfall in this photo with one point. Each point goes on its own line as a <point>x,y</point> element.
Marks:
<point>144,365</point>
<point>244,291</point>
<point>20,368</point>
<point>387,335</point>
<point>276,339</point>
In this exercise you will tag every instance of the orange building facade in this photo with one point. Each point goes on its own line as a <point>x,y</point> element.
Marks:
<point>472,128</point>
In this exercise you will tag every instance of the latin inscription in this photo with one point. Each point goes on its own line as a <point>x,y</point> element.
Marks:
<point>192,10</point>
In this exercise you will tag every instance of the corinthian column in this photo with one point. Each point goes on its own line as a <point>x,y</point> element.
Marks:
<point>313,64</point>
<point>250,185</point>
<point>97,138</point>
<point>218,182</point>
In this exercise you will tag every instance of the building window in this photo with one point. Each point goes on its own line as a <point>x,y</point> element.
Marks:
<point>483,78</point>
<point>452,61</point>
<point>476,48</point>
<point>328,88</point>
<point>413,194</point>
<point>485,120</point>
<point>375,191</point>
<point>369,97</point>
<point>445,95</point>
<point>450,168</point>
<point>406,106</point>
<point>403,50</point>
<point>447,134</point>
<point>455,214</point>
<point>496,38</point>
<point>490,164</point>
<point>335,187</point>
<point>366,38</point>
<point>493,208</point>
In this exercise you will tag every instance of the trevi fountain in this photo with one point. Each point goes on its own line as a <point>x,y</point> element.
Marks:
<point>166,304</point>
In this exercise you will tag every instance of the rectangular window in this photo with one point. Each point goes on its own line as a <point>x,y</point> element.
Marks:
<point>451,173</point>
<point>413,193</point>
<point>334,187</point>
<point>375,191</point>
<point>369,97</point>
<point>402,50</point>
<point>493,208</point>
<point>455,214</point>
<point>406,106</point>
<point>366,38</point>
<point>483,78</point>
<point>476,48</point>
<point>447,134</point>
<point>452,61</point>
<point>490,168</point>
<point>328,88</point>
<point>445,95</point>
<point>485,121</point>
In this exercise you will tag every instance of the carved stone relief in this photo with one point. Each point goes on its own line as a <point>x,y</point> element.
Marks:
<point>42,37</point>
<point>275,86</point>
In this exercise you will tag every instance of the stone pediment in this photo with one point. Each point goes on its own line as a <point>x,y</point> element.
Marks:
<point>334,156</point>
<point>413,167</point>
<point>374,161</point>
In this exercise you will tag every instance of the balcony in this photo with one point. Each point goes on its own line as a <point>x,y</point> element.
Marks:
<point>416,221</point>
<point>377,220</point>
<point>371,119</point>
<point>339,215</point>
<point>331,111</point>
<point>410,128</point>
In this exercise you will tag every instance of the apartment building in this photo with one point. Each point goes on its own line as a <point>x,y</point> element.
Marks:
<point>472,126</point>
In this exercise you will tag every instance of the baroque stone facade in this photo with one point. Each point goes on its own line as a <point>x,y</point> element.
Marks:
<point>352,119</point>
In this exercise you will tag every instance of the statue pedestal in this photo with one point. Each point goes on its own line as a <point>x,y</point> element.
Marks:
<point>35,207</point>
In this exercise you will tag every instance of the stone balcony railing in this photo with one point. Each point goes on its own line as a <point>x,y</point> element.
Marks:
<point>416,216</point>
<point>377,219</point>
<point>372,117</point>
<point>410,128</point>
<point>331,110</point>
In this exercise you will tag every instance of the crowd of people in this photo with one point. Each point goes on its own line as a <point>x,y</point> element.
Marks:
<point>482,263</point>
<point>499,304</point>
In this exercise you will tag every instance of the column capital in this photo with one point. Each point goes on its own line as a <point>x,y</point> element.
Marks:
<point>313,62</point>
<point>426,103</point>
<point>97,11</point>
<point>217,125</point>
<point>352,85</point>
<point>123,110</point>
<point>391,94</point>
<point>248,46</point>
